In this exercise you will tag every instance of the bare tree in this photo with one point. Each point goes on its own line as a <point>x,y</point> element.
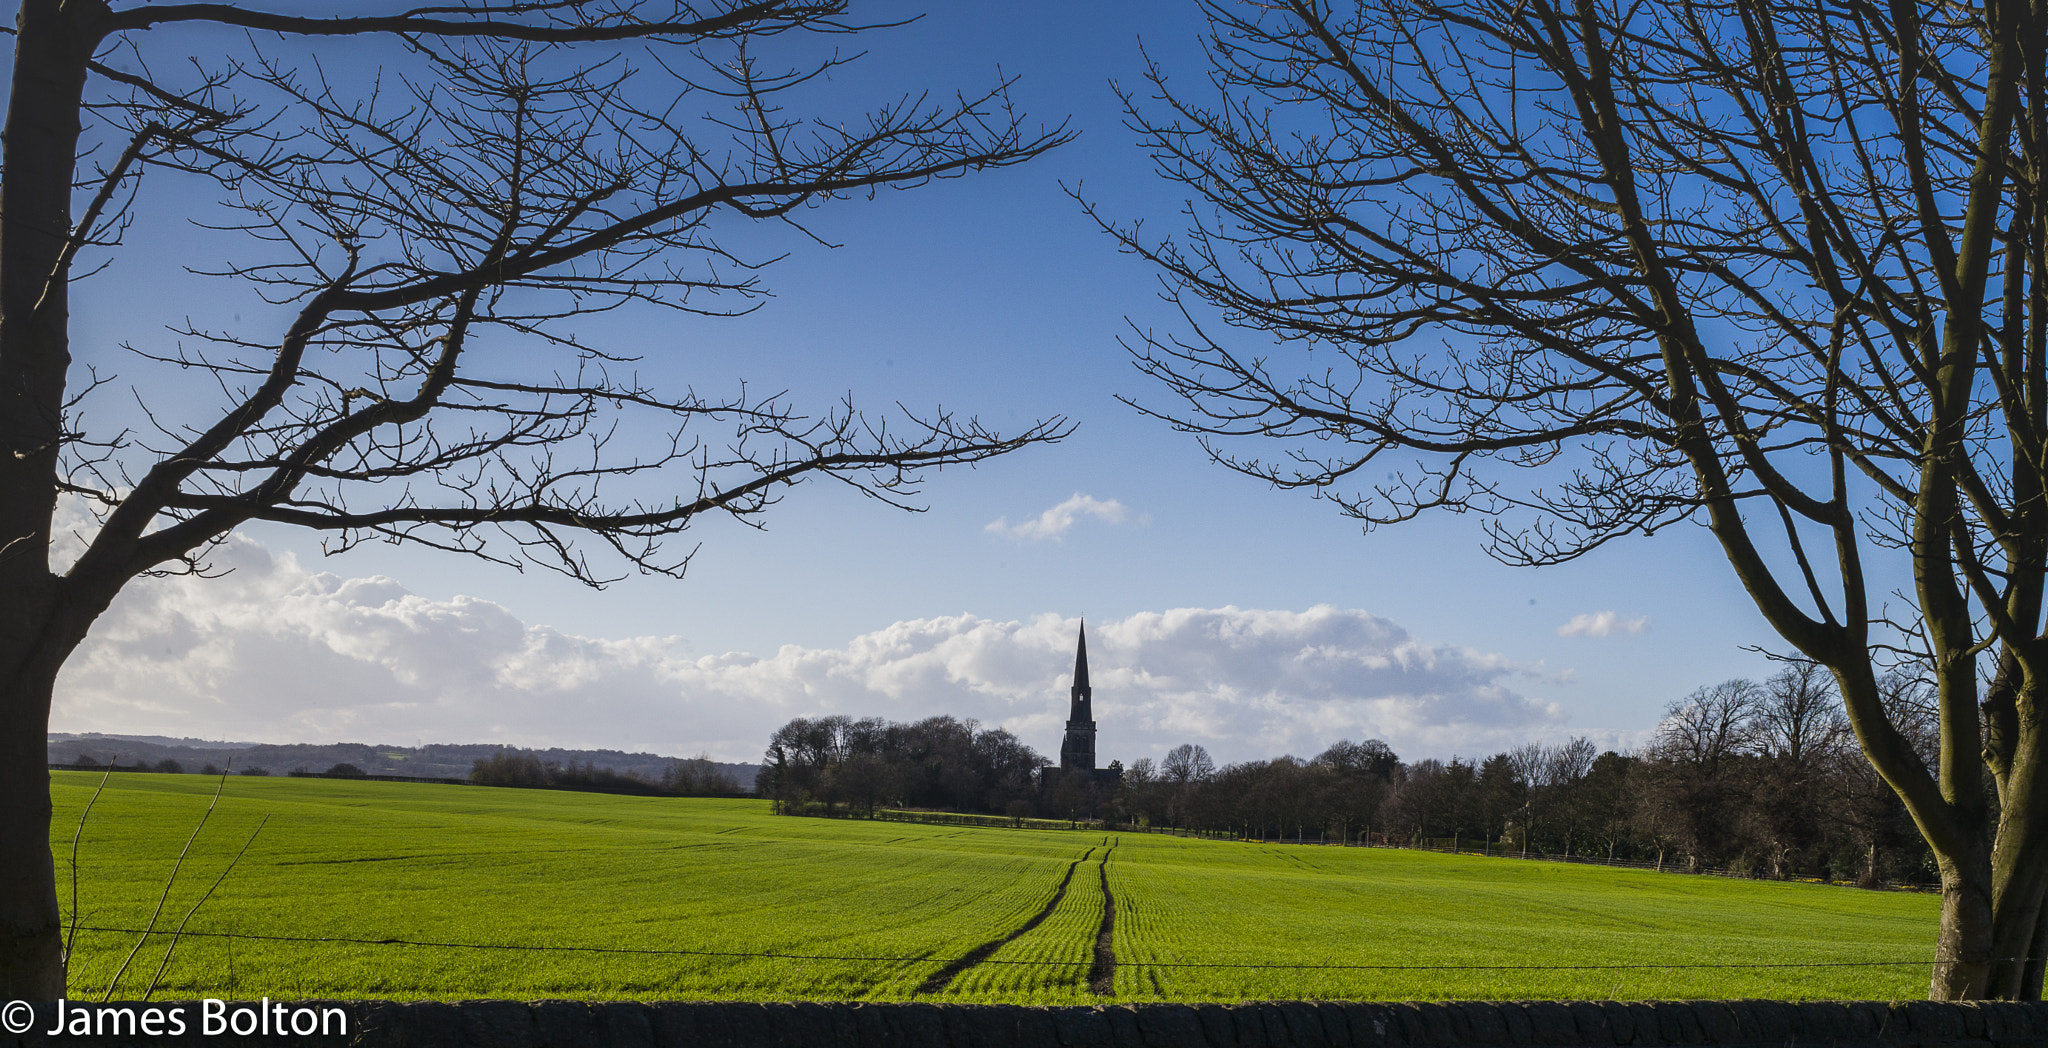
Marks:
<point>1532,769</point>
<point>1570,761</point>
<point>431,234</point>
<point>1549,776</point>
<point>1568,765</point>
<point>1797,732</point>
<point>1861,801</point>
<point>1185,767</point>
<point>1691,791</point>
<point>1776,268</point>
<point>1186,763</point>
<point>1711,727</point>
<point>1798,716</point>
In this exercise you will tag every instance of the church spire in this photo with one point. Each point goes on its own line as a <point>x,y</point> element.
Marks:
<point>1081,661</point>
<point>1077,750</point>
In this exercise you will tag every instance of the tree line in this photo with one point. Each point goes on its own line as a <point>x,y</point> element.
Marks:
<point>1764,777</point>
<point>518,767</point>
<point>938,762</point>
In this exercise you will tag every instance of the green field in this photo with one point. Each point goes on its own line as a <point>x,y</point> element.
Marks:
<point>873,909</point>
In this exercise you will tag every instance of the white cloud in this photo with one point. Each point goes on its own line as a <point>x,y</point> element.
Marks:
<point>275,652</point>
<point>1055,522</point>
<point>1601,624</point>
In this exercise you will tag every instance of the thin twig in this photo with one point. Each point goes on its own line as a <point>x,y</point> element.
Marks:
<point>150,929</point>
<point>172,948</point>
<point>71,937</point>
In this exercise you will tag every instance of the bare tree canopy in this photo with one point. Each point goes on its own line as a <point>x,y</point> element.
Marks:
<point>1592,269</point>
<point>435,231</point>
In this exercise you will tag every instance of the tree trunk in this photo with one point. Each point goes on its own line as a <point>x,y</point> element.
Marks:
<point>2019,873</point>
<point>1963,947</point>
<point>40,143</point>
<point>31,930</point>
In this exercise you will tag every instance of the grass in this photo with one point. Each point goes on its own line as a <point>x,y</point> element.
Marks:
<point>874,908</point>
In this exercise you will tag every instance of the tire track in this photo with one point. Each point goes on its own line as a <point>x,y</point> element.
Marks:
<point>943,976</point>
<point>1102,974</point>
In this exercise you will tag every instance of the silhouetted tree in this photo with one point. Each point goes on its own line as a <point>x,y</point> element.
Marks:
<point>1364,773</point>
<point>800,754</point>
<point>938,762</point>
<point>1501,794</point>
<point>429,247</point>
<point>1566,768</point>
<point>1417,805</point>
<point>1781,269</point>
<point>1691,786</point>
<point>1797,732</point>
<point>1608,800</point>
<point>1183,770</point>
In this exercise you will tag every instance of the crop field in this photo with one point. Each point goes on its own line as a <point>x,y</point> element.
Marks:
<point>470,892</point>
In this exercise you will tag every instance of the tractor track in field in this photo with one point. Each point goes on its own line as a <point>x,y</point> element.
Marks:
<point>946,975</point>
<point>1102,974</point>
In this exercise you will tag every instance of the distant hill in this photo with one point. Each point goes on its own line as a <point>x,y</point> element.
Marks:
<point>433,761</point>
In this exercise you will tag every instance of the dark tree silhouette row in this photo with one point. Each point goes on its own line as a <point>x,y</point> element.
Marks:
<point>1758,776</point>
<point>1764,777</point>
<point>515,767</point>
<point>939,762</point>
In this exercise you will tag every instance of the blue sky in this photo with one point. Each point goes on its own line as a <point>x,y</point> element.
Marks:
<point>992,295</point>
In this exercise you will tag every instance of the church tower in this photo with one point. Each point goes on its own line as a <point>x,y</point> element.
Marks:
<point>1077,750</point>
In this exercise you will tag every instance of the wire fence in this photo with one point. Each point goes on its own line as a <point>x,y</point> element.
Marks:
<point>929,959</point>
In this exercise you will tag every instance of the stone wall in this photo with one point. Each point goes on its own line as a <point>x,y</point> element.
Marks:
<point>1283,1024</point>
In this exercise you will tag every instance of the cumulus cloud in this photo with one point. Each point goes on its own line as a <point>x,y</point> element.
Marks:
<point>1601,624</point>
<point>276,652</point>
<point>1055,522</point>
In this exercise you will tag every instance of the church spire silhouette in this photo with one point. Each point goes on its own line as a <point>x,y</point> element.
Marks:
<point>1081,693</point>
<point>1077,749</point>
